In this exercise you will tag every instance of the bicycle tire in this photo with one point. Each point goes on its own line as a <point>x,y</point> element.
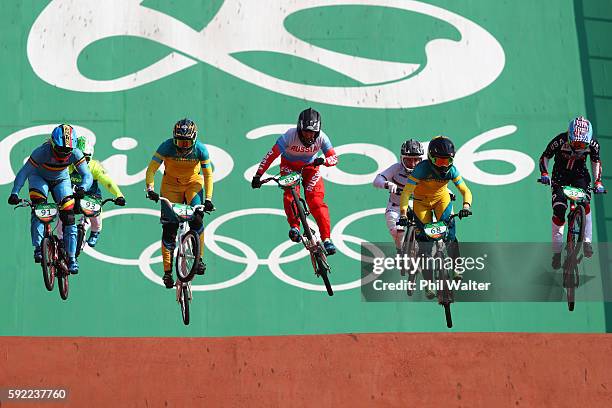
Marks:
<point>323,270</point>
<point>184,303</point>
<point>48,262</point>
<point>445,297</point>
<point>409,248</point>
<point>189,248</point>
<point>576,216</point>
<point>62,284</point>
<point>80,239</point>
<point>302,215</point>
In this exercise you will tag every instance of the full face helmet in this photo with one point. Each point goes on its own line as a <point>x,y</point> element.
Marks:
<point>84,144</point>
<point>185,134</point>
<point>411,154</point>
<point>579,133</point>
<point>309,126</point>
<point>441,152</point>
<point>63,140</point>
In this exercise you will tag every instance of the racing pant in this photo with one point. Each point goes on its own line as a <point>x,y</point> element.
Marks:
<point>314,190</point>
<point>184,193</point>
<point>559,207</point>
<point>442,208</point>
<point>61,190</point>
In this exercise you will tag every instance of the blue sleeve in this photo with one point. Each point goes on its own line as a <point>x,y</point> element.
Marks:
<point>202,152</point>
<point>22,176</point>
<point>325,143</point>
<point>282,144</point>
<point>454,175</point>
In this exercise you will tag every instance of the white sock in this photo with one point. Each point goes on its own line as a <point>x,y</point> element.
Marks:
<point>557,237</point>
<point>588,228</point>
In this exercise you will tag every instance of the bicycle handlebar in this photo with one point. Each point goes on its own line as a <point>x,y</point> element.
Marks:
<point>195,207</point>
<point>589,188</point>
<point>276,178</point>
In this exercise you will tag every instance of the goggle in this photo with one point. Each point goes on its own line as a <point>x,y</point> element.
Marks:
<point>576,145</point>
<point>184,143</point>
<point>441,161</point>
<point>411,161</point>
<point>62,150</point>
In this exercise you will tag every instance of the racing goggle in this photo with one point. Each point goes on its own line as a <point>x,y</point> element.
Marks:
<point>184,143</point>
<point>62,151</point>
<point>441,161</point>
<point>576,145</point>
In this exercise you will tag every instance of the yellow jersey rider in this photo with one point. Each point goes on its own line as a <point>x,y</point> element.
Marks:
<point>428,185</point>
<point>184,157</point>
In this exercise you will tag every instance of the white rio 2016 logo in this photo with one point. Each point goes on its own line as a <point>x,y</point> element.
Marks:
<point>466,158</point>
<point>454,69</point>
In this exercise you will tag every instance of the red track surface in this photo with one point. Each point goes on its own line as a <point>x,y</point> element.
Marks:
<point>381,370</point>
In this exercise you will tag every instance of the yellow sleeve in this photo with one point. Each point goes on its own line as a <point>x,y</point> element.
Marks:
<point>208,181</point>
<point>151,169</point>
<point>406,193</point>
<point>465,192</point>
<point>98,172</point>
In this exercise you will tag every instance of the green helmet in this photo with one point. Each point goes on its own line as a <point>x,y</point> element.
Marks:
<point>85,145</point>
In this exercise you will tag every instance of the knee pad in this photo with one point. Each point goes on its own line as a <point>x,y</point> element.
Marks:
<point>558,221</point>
<point>559,213</point>
<point>37,196</point>
<point>196,223</point>
<point>587,208</point>
<point>67,217</point>
<point>169,235</point>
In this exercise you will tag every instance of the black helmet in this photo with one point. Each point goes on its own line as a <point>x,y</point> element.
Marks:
<point>441,153</point>
<point>411,153</point>
<point>185,134</point>
<point>309,119</point>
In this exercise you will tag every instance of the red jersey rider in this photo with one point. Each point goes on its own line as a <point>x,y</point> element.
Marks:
<point>298,147</point>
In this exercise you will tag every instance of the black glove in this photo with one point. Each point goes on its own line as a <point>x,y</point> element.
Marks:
<point>403,221</point>
<point>120,201</point>
<point>464,213</point>
<point>13,199</point>
<point>152,195</point>
<point>319,161</point>
<point>208,206</point>
<point>256,182</point>
<point>79,192</point>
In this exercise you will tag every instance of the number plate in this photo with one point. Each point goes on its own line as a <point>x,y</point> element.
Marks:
<point>435,230</point>
<point>183,211</point>
<point>573,193</point>
<point>290,179</point>
<point>90,206</point>
<point>45,212</point>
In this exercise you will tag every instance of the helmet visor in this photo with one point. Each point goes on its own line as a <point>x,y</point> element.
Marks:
<point>442,161</point>
<point>410,162</point>
<point>62,151</point>
<point>184,143</point>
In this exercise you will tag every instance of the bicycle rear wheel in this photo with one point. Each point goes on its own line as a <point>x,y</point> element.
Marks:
<point>184,303</point>
<point>187,257</point>
<point>48,262</point>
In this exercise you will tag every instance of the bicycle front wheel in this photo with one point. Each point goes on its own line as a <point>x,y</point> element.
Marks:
<point>576,225</point>
<point>80,239</point>
<point>323,270</point>
<point>409,249</point>
<point>47,250</point>
<point>62,284</point>
<point>184,303</point>
<point>187,257</point>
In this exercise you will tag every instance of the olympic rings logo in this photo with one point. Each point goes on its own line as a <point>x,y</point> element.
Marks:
<point>249,258</point>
